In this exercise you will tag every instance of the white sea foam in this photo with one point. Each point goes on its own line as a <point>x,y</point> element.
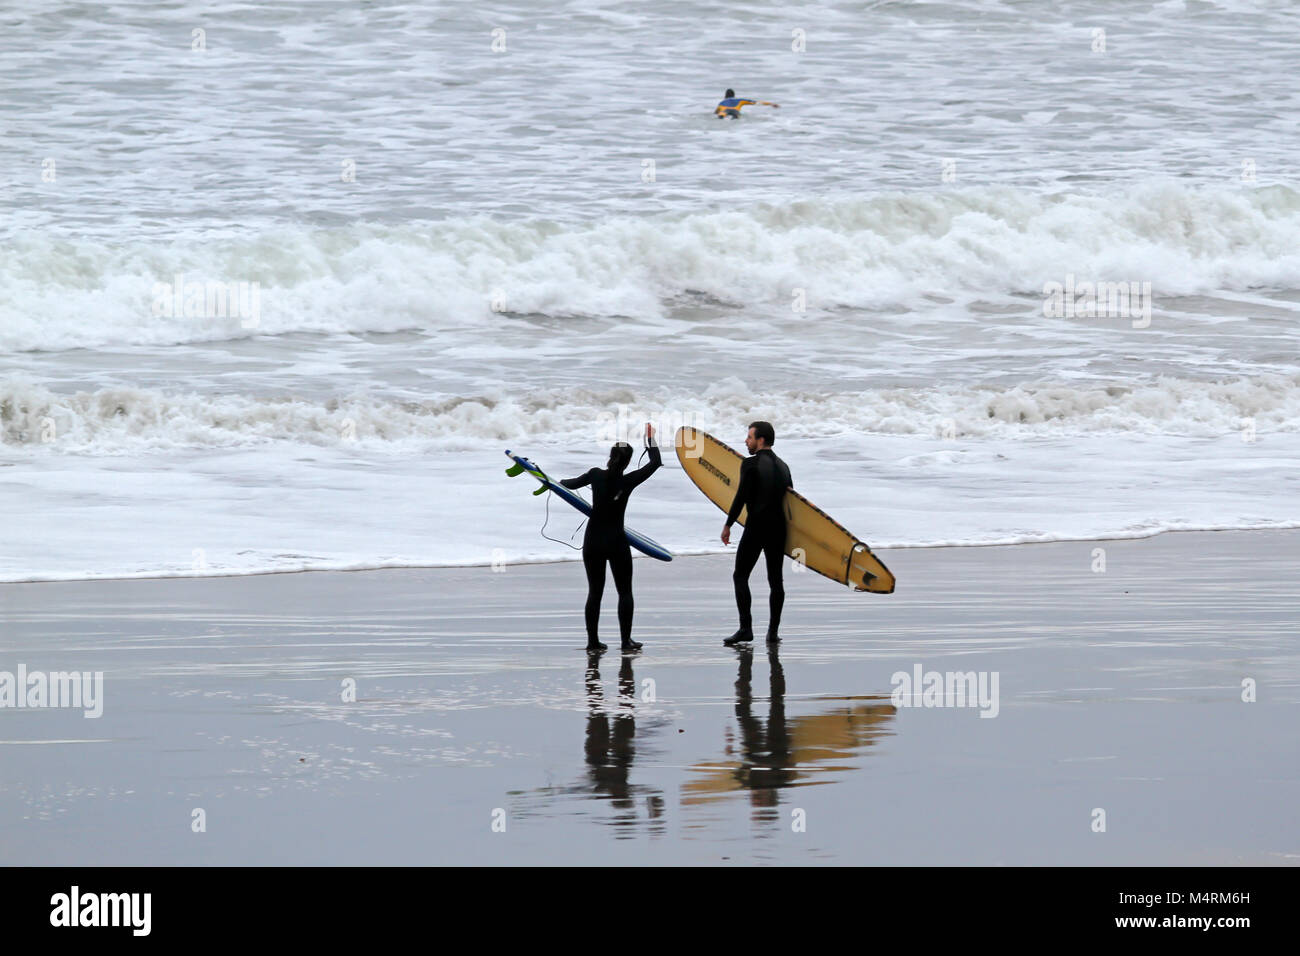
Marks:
<point>117,421</point>
<point>285,508</point>
<point>887,251</point>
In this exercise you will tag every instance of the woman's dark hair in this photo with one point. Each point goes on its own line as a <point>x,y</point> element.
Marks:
<point>764,431</point>
<point>729,94</point>
<point>619,456</point>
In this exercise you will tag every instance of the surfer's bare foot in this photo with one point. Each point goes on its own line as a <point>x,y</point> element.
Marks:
<point>596,646</point>
<point>741,636</point>
<point>630,646</point>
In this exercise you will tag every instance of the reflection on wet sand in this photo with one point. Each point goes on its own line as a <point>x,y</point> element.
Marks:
<point>764,758</point>
<point>609,746</point>
<point>610,749</point>
<point>761,757</point>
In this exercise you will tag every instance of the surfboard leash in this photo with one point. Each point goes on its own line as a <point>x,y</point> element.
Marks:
<point>543,533</point>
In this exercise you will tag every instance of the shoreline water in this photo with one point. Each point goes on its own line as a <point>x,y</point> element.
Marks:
<point>639,558</point>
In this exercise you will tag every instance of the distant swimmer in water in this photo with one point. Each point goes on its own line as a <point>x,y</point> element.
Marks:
<point>731,104</point>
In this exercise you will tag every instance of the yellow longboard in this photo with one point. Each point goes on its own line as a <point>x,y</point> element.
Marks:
<point>814,538</point>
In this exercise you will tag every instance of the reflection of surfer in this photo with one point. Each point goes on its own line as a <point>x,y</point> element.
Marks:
<point>610,750</point>
<point>605,541</point>
<point>767,753</point>
<point>732,104</point>
<point>609,755</point>
<point>768,756</point>
<point>761,489</point>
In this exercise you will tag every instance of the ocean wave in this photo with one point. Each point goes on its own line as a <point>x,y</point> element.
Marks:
<point>887,251</point>
<point>125,420</point>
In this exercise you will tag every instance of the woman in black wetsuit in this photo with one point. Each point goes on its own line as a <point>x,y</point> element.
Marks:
<point>605,541</point>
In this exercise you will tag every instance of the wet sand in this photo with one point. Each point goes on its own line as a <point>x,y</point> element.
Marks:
<point>1118,690</point>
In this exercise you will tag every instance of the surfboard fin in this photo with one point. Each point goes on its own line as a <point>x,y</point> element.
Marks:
<point>515,469</point>
<point>541,491</point>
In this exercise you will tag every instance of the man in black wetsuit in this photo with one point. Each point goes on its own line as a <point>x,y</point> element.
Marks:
<point>605,542</point>
<point>764,479</point>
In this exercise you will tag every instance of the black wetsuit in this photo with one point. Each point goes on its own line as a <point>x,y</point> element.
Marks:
<point>761,489</point>
<point>605,542</point>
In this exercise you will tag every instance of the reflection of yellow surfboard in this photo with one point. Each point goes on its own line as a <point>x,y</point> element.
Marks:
<point>815,539</point>
<point>794,754</point>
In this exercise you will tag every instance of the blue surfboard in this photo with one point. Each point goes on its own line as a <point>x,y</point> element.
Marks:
<point>635,538</point>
